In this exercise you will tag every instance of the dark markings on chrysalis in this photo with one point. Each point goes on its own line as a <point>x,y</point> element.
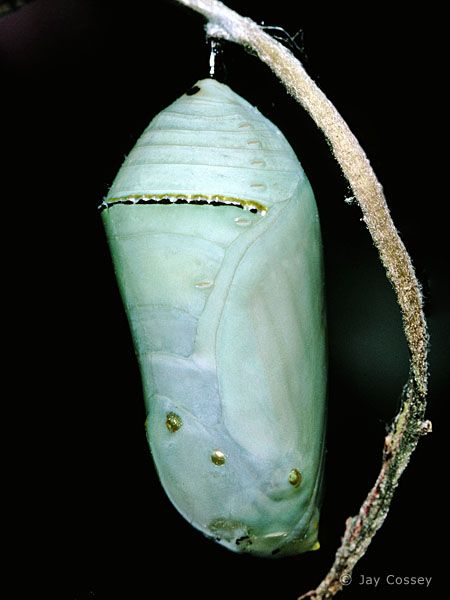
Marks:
<point>168,201</point>
<point>194,89</point>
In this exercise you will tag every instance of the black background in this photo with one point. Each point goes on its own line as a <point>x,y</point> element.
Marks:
<point>81,80</point>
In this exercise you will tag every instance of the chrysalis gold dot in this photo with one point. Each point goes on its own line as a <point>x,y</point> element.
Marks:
<point>173,422</point>
<point>204,284</point>
<point>218,458</point>
<point>295,477</point>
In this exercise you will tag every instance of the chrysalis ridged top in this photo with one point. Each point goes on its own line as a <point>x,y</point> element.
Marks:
<point>214,144</point>
<point>215,239</point>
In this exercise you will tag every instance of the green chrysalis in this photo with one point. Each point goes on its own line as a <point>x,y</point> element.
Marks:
<point>215,239</point>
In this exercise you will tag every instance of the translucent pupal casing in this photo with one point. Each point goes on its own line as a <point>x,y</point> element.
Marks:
<point>215,239</point>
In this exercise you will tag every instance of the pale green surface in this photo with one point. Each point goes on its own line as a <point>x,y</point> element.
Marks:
<point>207,144</point>
<point>242,361</point>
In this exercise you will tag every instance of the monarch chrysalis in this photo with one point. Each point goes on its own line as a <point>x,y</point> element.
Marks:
<point>215,239</point>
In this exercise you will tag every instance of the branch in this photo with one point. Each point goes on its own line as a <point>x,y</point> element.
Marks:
<point>409,424</point>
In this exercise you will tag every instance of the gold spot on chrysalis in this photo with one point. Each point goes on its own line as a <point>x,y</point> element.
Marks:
<point>242,221</point>
<point>230,531</point>
<point>218,458</point>
<point>251,205</point>
<point>316,546</point>
<point>295,477</point>
<point>204,284</point>
<point>173,422</point>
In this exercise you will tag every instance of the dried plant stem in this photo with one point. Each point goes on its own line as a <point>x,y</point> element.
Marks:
<point>408,425</point>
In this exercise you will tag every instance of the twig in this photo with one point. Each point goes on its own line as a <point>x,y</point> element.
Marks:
<point>409,424</point>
